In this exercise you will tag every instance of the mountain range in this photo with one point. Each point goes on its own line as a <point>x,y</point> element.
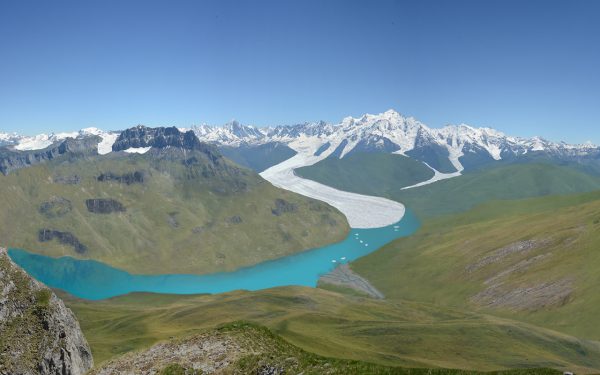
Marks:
<point>448,150</point>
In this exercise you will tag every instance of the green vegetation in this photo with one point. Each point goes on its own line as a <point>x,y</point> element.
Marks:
<point>535,260</point>
<point>169,214</point>
<point>398,333</point>
<point>260,157</point>
<point>386,174</point>
<point>254,349</point>
<point>515,181</point>
<point>368,173</point>
<point>176,369</point>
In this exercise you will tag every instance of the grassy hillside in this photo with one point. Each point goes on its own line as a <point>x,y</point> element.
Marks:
<point>386,174</point>
<point>536,260</point>
<point>159,213</point>
<point>514,181</point>
<point>394,334</point>
<point>369,173</point>
<point>258,157</point>
<point>246,348</point>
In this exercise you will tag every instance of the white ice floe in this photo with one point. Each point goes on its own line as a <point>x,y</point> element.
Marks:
<point>137,150</point>
<point>343,258</point>
<point>362,211</point>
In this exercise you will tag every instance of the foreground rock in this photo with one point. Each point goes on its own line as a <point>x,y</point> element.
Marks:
<point>236,348</point>
<point>38,334</point>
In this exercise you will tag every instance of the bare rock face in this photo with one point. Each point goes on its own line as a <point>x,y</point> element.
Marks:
<point>142,136</point>
<point>104,206</point>
<point>38,333</point>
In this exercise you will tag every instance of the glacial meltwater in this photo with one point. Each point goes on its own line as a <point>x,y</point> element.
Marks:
<point>95,280</point>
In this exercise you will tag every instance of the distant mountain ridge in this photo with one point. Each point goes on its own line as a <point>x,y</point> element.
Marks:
<point>450,149</point>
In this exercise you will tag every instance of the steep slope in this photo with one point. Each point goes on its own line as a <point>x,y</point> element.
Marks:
<point>535,260</point>
<point>38,334</point>
<point>180,207</point>
<point>367,173</point>
<point>325,323</point>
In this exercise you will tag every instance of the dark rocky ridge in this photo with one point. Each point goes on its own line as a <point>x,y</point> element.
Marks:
<point>104,206</point>
<point>11,160</point>
<point>65,238</point>
<point>38,333</point>
<point>136,177</point>
<point>161,137</point>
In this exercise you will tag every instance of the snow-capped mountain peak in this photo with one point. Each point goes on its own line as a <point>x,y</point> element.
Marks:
<point>389,131</point>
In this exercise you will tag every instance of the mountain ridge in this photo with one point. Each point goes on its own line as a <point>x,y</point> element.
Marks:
<point>463,146</point>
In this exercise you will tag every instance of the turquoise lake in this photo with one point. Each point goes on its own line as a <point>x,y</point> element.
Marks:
<point>95,280</point>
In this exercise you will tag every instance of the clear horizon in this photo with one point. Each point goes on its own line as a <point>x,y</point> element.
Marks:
<point>526,69</point>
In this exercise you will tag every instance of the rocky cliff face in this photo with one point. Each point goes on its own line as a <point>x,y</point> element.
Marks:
<point>143,136</point>
<point>38,334</point>
<point>11,160</point>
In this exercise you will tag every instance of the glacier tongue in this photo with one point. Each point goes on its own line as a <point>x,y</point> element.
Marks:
<point>362,211</point>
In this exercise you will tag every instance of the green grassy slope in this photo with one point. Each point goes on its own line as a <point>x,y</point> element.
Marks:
<point>385,175</point>
<point>536,260</point>
<point>515,181</point>
<point>260,157</point>
<point>388,333</point>
<point>368,173</point>
<point>184,218</point>
<point>253,349</point>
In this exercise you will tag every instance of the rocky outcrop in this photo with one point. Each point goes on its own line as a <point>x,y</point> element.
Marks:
<point>67,180</point>
<point>500,254</point>
<point>136,177</point>
<point>543,295</point>
<point>207,353</point>
<point>236,348</point>
<point>65,238</point>
<point>142,136</point>
<point>56,207</point>
<point>282,206</point>
<point>38,333</point>
<point>104,206</point>
<point>11,160</point>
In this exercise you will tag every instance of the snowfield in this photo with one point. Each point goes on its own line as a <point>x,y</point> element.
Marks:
<point>137,150</point>
<point>362,211</point>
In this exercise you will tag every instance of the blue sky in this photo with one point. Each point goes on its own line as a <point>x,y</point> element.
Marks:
<point>524,67</point>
